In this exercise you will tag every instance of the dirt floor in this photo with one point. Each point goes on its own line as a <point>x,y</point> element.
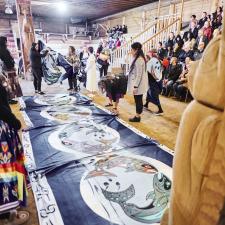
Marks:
<point>161,128</point>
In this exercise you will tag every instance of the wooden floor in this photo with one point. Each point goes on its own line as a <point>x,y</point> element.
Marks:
<point>161,128</point>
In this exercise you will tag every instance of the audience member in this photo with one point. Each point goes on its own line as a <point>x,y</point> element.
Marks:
<point>217,18</point>
<point>179,41</point>
<point>193,29</point>
<point>202,21</point>
<point>180,86</point>
<point>171,40</point>
<point>173,72</point>
<point>161,51</point>
<point>186,52</point>
<point>199,52</point>
<point>207,31</point>
<point>200,38</point>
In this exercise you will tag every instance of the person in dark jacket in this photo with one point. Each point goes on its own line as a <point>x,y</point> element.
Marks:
<point>186,52</point>
<point>171,41</point>
<point>179,41</point>
<point>202,21</point>
<point>217,18</point>
<point>35,61</point>
<point>6,114</point>
<point>194,29</point>
<point>199,52</point>
<point>9,69</point>
<point>200,38</point>
<point>173,72</point>
<point>162,53</point>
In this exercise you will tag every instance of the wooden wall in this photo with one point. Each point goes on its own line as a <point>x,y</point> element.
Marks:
<point>135,18</point>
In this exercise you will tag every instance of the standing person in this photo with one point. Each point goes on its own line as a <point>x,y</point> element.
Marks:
<point>13,189</point>
<point>154,69</point>
<point>91,72</point>
<point>103,59</point>
<point>73,71</point>
<point>84,56</point>
<point>9,69</point>
<point>137,79</point>
<point>35,61</point>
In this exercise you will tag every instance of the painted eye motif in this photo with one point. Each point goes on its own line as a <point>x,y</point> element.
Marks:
<point>167,185</point>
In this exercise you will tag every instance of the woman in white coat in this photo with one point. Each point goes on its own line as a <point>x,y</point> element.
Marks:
<point>91,72</point>
<point>137,79</point>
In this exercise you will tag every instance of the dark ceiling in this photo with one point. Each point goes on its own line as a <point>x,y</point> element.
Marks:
<point>81,9</point>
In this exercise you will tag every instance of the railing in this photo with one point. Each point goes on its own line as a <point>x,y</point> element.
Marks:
<point>122,56</point>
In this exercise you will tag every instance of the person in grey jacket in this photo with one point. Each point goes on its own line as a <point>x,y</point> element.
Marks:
<point>137,79</point>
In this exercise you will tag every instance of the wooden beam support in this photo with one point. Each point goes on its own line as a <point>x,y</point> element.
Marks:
<point>181,16</point>
<point>159,7</point>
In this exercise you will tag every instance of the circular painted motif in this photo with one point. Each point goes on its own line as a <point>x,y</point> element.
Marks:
<point>66,113</point>
<point>56,99</point>
<point>86,137</point>
<point>127,189</point>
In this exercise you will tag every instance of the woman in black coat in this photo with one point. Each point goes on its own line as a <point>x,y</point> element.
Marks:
<point>35,61</point>
<point>14,89</point>
<point>6,114</point>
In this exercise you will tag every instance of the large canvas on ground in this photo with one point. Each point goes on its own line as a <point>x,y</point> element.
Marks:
<point>90,168</point>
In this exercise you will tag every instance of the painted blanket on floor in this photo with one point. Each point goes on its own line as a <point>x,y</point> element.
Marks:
<point>89,168</point>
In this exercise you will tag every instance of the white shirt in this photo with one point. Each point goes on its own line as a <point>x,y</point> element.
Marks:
<point>154,67</point>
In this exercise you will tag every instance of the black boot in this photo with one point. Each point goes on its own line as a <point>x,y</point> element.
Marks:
<point>135,119</point>
<point>160,111</point>
<point>146,105</point>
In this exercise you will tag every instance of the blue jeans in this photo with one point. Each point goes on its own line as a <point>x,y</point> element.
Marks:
<point>63,77</point>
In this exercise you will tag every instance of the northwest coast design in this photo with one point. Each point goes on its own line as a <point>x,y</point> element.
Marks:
<point>86,136</point>
<point>55,100</point>
<point>155,198</point>
<point>66,113</point>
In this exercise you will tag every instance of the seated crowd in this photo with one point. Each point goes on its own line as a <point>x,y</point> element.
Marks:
<point>178,52</point>
<point>115,36</point>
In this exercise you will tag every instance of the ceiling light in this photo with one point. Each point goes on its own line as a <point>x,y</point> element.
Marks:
<point>61,6</point>
<point>8,10</point>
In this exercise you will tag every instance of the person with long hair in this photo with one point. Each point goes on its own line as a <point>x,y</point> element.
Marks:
<point>137,79</point>
<point>10,72</point>
<point>154,69</point>
<point>35,61</point>
<point>73,71</point>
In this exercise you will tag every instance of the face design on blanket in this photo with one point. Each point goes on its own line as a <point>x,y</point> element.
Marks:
<point>127,189</point>
<point>86,137</point>
<point>55,100</point>
<point>66,113</point>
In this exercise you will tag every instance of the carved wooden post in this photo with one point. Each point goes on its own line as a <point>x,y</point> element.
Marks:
<point>26,29</point>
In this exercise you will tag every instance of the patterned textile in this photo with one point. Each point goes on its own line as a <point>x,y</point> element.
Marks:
<point>13,185</point>
<point>15,89</point>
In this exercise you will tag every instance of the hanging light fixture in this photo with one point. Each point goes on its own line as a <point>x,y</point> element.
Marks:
<point>8,7</point>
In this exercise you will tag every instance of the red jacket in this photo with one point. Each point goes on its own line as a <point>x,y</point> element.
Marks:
<point>207,32</point>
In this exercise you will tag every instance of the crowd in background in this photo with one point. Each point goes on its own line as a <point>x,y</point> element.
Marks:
<point>178,51</point>
<point>174,56</point>
<point>116,36</point>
